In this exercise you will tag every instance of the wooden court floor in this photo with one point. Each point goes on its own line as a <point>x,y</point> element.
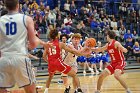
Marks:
<point>89,82</point>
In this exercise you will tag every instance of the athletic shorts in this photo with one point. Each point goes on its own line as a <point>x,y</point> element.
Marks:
<point>116,65</point>
<point>15,69</point>
<point>58,65</point>
<point>74,66</point>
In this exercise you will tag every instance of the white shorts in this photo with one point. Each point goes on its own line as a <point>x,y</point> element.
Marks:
<point>74,66</point>
<point>15,69</point>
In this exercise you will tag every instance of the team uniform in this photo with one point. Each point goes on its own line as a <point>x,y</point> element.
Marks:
<point>70,58</point>
<point>15,66</point>
<point>117,58</point>
<point>55,61</point>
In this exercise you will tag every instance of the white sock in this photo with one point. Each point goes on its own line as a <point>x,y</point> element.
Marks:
<point>127,89</point>
<point>67,86</point>
<point>98,91</point>
<point>46,90</point>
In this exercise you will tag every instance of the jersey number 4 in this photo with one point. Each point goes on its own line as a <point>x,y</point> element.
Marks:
<point>11,28</point>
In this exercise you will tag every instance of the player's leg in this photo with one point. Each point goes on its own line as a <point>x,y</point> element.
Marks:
<point>101,65</point>
<point>102,76</point>
<point>6,73</point>
<point>66,69</point>
<point>75,68</point>
<point>30,88</point>
<point>117,75</point>
<point>26,77</point>
<point>48,82</point>
<point>66,83</point>
<point>72,73</point>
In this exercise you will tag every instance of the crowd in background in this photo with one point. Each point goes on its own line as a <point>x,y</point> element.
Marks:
<point>90,20</point>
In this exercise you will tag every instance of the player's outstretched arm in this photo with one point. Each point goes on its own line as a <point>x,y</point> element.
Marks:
<point>33,40</point>
<point>100,49</point>
<point>120,47</point>
<point>73,51</point>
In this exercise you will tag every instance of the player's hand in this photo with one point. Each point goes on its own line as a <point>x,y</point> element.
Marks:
<point>94,50</point>
<point>87,52</point>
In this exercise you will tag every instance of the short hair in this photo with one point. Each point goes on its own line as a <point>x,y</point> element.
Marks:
<point>64,35</point>
<point>53,34</point>
<point>77,35</point>
<point>11,4</point>
<point>111,34</point>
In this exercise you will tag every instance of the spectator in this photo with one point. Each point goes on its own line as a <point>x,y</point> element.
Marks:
<point>135,35</point>
<point>25,6</point>
<point>122,31</point>
<point>120,23</point>
<point>101,15</point>
<point>94,25</point>
<point>67,7</point>
<point>41,25</point>
<point>73,8</point>
<point>117,33</point>
<point>59,21</point>
<point>96,15</point>
<point>129,45</point>
<point>56,10</point>
<point>113,23</point>
<point>136,51</point>
<point>34,5</point>
<point>41,7</point>
<point>64,30</point>
<point>128,34</point>
<point>81,28</point>
<point>52,17</point>
<point>68,23</point>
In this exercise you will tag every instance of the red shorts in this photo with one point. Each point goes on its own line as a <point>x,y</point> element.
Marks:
<point>116,65</point>
<point>58,65</point>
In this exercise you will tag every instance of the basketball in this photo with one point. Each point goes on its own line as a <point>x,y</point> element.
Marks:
<point>91,42</point>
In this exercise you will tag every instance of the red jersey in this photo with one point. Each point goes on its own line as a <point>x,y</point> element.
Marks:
<point>54,53</point>
<point>55,62</point>
<point>115,54</point>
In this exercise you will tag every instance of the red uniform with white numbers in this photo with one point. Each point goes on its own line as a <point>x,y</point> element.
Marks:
<point>55,62</point>
<point>117,58</point>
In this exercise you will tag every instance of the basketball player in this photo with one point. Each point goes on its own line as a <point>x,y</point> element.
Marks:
<point>15,67</point>
<point>70,59</point>
<point>115,50</point>
<point>55,63</point>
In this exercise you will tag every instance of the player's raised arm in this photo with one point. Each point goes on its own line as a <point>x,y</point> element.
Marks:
<point>120,47</point>
<point>74,51</point>
<point>100,49</point>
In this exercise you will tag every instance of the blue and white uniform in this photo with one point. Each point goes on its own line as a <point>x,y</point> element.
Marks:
<point>15,66</point>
